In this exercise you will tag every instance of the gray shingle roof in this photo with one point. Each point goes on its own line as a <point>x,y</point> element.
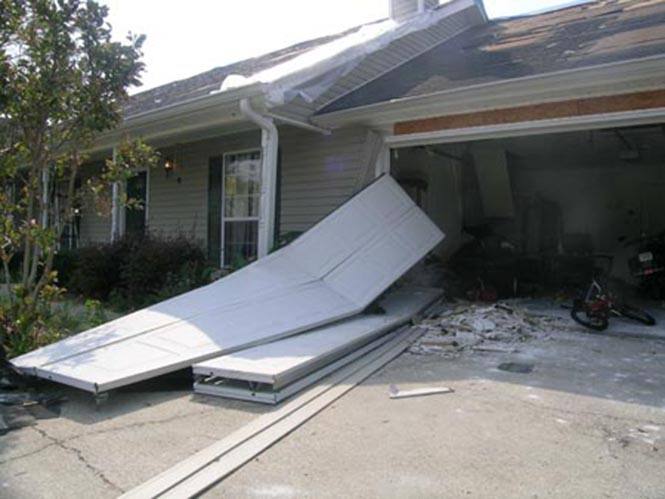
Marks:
<point>580,36</point>
<point>204,83</point>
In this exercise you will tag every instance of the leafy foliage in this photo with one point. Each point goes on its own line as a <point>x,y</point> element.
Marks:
<point>63,81</point>
<point>51,319</point>
<point>137,271</point>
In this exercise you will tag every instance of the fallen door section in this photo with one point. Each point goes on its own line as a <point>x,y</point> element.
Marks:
<point>331,272</point>
<point>272,372</point>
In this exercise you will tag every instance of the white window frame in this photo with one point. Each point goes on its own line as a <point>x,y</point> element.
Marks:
<point>223,218</point>
<point>146,207</point>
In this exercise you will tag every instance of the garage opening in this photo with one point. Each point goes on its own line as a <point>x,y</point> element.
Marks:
<point>541,215</point>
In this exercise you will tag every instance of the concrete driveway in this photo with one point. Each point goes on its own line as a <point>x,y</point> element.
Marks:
<point>589,421</point>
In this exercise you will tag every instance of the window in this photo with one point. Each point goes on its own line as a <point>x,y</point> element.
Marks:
<point>136,216</point>
<point>240,207</point>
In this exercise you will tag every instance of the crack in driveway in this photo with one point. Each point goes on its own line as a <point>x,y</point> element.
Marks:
<point>79,455</point>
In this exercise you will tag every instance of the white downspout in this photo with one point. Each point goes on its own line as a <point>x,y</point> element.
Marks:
<point>269,152</point>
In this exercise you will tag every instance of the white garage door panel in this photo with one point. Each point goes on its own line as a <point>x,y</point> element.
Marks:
<point>165,351</point>
<point>389,203</point>
<point>278,362</point>
<point>329,273</point>
<point>346,230</point>
<point>265,278</point>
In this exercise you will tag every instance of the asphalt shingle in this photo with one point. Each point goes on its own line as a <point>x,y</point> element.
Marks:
<point>580,36</point>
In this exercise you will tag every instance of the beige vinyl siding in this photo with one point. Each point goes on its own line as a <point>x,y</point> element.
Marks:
<point>319,172</point>
<point>94,228</point>
<point>181,207</point>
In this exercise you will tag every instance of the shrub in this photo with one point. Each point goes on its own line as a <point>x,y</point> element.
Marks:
<point>94,271</point>
<point>22,329</point>
<point>134,272</point>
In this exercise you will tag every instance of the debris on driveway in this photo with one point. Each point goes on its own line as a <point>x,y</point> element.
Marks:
<point>467,326</point>
<point>396,393</point>
<point>516,367</point>
<point>20,404</point>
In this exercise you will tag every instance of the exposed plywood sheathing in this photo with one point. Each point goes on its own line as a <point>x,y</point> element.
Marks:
<point>501,50</point>
<point>550,110</point>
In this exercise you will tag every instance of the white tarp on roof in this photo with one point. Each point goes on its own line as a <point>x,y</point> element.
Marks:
<point>331,272</point>
<point>344,53</point>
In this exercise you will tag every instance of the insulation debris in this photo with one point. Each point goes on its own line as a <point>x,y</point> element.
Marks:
<point>22,404</point>
<point>466,326</point>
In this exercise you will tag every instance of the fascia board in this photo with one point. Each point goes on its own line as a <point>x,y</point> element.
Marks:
<point>611,78</point>
<point>538,127</point>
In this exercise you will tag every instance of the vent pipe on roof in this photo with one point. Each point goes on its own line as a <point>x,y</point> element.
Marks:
<point>401,10</point>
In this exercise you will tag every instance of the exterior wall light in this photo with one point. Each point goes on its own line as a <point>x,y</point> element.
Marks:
<point>169,166</point>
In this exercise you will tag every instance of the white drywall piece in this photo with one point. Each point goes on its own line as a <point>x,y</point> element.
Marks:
<point>330,273</point>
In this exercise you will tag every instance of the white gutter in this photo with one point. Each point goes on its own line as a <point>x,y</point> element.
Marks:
<point>196,104</point>
<point>300,124</point>
<point>168,120</point>
<point>269,153</point>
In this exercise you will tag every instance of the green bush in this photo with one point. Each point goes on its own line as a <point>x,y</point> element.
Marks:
<point>137,271</point>
<point>22,328</point>
<point>94,271</point>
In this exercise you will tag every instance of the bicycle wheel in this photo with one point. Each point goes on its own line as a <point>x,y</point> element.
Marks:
<point>636,314</point>
<point>597,322</point>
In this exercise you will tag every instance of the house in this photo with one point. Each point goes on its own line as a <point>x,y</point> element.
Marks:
<point>549,126</point>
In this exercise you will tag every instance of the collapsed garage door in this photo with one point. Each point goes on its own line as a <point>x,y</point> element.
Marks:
<point>532,214</point>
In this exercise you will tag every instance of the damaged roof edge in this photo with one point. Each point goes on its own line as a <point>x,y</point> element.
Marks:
<point>158,116</point>
<point>290,74</point>
<point>643,73</point>
<point>481,7</point>
<point>201,102</point>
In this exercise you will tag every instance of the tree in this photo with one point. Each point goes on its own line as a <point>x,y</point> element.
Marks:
<point>63,81</point>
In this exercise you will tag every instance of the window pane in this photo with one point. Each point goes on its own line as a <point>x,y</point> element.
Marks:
<point>240,242</point>
<point>241,206</point>
<point>242,185</point>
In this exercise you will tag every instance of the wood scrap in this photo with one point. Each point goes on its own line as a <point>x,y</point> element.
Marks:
<point>396,393</point>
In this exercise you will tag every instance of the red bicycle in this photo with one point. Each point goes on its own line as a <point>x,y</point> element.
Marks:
<point>594,309</point>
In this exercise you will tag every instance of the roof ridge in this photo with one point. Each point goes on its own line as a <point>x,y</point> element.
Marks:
<point>270,54</point>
